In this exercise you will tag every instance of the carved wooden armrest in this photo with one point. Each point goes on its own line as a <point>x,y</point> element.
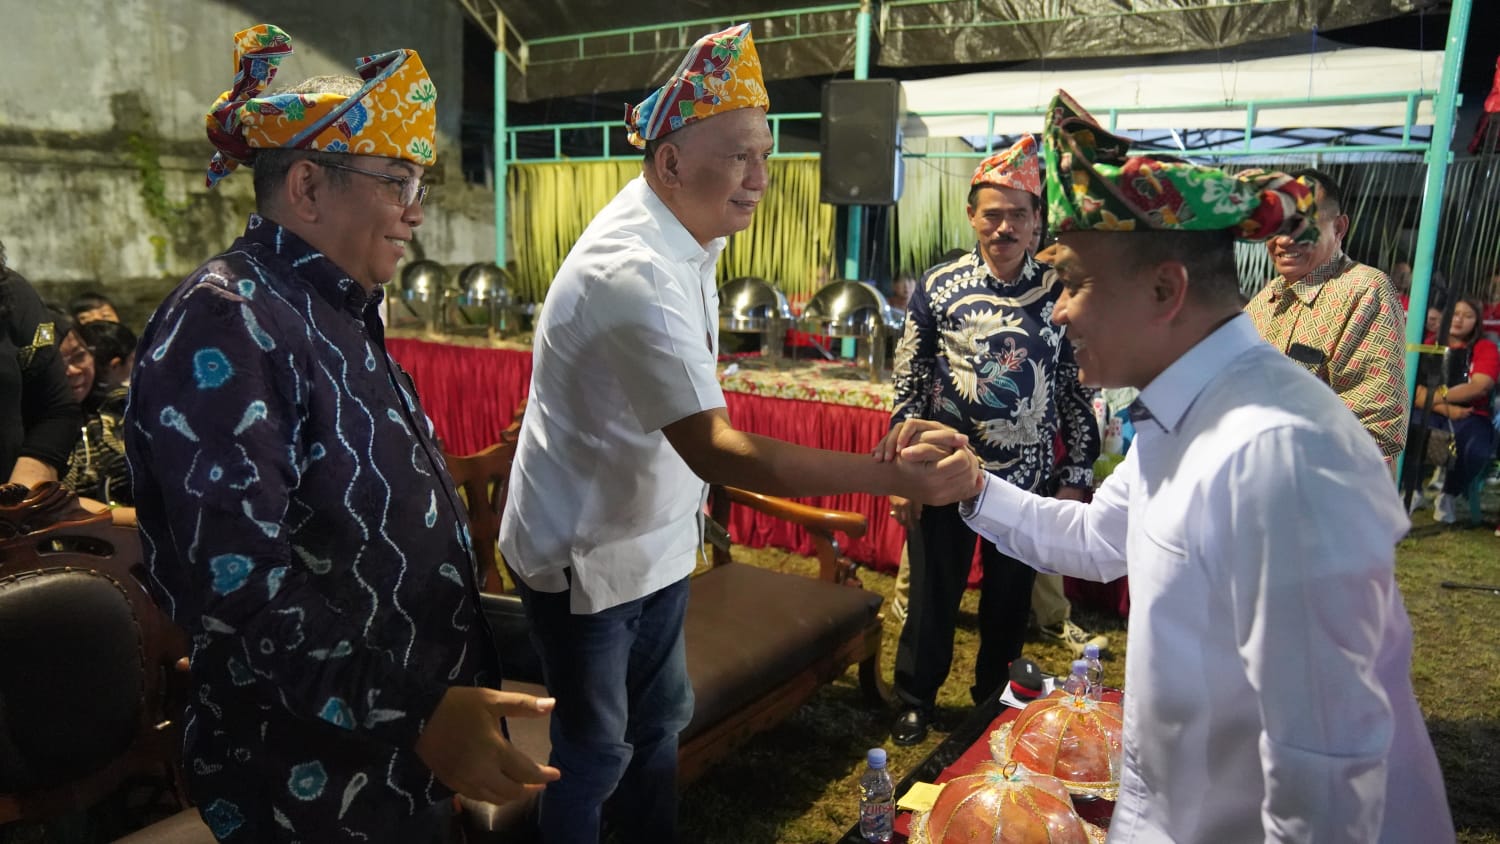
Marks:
<point>822,525</point>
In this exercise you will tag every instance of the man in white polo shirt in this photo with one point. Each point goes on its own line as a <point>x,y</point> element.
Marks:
<point>625,423</point>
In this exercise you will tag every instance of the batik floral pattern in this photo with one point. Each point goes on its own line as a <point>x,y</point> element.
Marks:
<point>982,356</point>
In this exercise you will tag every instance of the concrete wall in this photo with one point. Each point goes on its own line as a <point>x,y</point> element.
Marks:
<point>102,151</point>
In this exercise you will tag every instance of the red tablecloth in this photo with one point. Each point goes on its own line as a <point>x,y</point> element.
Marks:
<point>471,390</point>
<point>820,425</point>
<point>470,393</point>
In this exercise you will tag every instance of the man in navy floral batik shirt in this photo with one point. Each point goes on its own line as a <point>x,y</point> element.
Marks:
<point>296,514</point>
<point>980,354</point>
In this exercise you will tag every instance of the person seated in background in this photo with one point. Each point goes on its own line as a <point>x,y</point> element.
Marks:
<point>901,288</point>
<point>1462,404</point>
<point>91,306</point>
<point>1491,316</point>
<point>39,418</point>
<point>1401,278</point>
<point>98,356</point>
<point>1434,320</point>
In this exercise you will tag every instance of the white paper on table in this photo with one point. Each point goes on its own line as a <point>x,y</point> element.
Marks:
<point>1008,697</point>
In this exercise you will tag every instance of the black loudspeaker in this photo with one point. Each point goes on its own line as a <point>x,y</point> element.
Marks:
<point>860,141</point>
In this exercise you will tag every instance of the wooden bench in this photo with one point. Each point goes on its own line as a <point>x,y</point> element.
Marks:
<point>760,643</point>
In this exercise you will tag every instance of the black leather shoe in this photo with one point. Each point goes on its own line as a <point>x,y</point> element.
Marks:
<point>911,727</point>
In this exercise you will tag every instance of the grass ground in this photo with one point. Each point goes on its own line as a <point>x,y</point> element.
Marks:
<point>798,783</point>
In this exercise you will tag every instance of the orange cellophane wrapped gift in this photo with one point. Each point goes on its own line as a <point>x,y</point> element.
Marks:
<point>1076,739</point>
<point>1003,804</point>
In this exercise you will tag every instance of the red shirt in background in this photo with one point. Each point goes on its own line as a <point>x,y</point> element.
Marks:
<point>1491,317</point>
<point>1484,358</point>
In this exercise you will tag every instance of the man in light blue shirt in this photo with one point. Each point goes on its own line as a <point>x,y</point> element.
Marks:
<point>1268,693</point>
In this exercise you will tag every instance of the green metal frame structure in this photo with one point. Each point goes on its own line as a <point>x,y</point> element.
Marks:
<point>1435,151</point>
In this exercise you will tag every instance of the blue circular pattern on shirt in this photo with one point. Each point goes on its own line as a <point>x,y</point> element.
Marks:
<point>211,368</point>
<point>307,780</point>
<point>230,572</point>
<point>223,818</point>
<point>337,713</point>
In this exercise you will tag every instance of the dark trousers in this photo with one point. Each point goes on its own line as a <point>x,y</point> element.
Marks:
<point>1474,442</point>
<point>623,695</point>
<point>940,553</point>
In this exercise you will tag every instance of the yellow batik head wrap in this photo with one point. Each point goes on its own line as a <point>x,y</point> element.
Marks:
<point>393,115</point>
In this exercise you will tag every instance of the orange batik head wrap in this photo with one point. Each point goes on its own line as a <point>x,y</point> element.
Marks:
<point>393,115</point>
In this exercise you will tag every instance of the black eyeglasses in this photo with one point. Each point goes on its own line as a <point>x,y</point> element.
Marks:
<point>412,189</point>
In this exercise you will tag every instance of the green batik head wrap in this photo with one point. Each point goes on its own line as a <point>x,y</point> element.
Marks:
<point>1093,183</point>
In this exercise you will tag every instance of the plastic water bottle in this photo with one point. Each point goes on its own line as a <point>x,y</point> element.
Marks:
<point>1078,682</point>
<point>877,799</point>
<point>1096,671</point>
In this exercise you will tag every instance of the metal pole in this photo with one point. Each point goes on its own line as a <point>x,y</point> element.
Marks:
<point>854,239</point>
<point>1444,109</point>
<point>500,146</point>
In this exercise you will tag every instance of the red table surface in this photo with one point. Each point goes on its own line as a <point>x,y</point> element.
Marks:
<point>979,752</point>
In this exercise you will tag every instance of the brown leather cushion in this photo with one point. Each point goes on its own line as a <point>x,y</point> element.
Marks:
<point>72,693</point>
<point>749,630</point>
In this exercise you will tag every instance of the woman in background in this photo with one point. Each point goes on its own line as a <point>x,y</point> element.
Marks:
<point>1464,405</point>
<point>98,356</point>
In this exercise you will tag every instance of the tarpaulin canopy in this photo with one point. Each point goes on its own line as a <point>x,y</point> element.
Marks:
<point>934,32</point>
<point>564,48</point>
<point>1334,71</point>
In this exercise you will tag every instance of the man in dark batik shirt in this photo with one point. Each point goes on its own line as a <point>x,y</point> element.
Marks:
<point>297,517</point>
<point>980,354</point>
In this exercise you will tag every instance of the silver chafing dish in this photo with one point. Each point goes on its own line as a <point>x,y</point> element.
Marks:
<point>420,304</point>
<point>851,309</point>
<point>481,302</point>
<point>754,305</point>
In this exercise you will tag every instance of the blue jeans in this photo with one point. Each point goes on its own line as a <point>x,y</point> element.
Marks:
<point>1474,447</point>
<point>623,695</point>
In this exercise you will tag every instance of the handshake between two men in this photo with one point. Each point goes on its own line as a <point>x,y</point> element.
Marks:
<point>953,472</point>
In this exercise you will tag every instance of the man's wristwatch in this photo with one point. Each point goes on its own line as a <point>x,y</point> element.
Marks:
<point>969,506</point>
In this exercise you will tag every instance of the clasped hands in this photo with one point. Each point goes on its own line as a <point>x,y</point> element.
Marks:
<point>935,465</point>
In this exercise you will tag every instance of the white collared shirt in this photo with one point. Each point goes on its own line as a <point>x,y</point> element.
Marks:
<point>626,344</point>
<point>1268,692</point>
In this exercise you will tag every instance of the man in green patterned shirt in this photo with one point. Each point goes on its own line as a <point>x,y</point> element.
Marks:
<point>1340,319</point>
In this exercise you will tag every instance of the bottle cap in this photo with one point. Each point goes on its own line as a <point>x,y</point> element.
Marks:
<point>1080,666</point>
<point>875,758</point>
<point>1091,651</point>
